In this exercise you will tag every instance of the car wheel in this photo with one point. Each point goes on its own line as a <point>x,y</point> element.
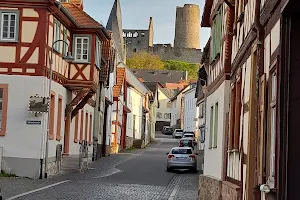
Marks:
<point>195,170</point>
<point>169,169</point>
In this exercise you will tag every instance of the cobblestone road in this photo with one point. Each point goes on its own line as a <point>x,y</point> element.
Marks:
<point>135,175</point>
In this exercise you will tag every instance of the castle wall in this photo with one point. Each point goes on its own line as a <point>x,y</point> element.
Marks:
<point>136,41</point>
<point>179,54</point>
<point>187,27</point>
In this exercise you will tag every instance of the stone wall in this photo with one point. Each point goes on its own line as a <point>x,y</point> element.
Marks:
<point>210,188</point>
<point>231,191</point>
<point>129,142</point>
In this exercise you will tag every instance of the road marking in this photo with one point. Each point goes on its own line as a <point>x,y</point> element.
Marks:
<point>172,196</point>
<point>37,190</point>
<point>135,154</point>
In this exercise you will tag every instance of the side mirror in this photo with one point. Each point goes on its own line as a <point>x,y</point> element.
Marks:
<point>197,153</point>
<point>167,153</point>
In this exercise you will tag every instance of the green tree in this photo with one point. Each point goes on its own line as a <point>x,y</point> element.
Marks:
<point>144,60</point>
<point>192,69</point>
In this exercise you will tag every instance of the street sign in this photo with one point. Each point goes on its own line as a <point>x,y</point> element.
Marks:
<point>33,122</point>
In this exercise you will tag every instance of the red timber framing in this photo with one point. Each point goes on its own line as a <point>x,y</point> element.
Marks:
<point>32,53</point>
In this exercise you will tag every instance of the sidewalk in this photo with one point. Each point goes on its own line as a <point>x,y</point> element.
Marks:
<point>103,167</point>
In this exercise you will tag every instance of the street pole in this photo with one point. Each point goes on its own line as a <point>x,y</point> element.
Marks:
<point>67,58</point>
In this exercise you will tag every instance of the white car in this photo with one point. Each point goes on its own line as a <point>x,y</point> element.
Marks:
<point>177,133</point>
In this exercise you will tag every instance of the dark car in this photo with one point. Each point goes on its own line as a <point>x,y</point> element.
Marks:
<point>186,142</point>
<point>167,130</point>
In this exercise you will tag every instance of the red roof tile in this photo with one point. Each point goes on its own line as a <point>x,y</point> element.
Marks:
<point>82,19</point>
<point>120,73</point>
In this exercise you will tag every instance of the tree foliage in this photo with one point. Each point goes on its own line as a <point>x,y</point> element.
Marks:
<point>192,69</point>
<point>144,60</point>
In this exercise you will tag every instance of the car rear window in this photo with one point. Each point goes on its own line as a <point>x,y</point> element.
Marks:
<point>188,135</point>
<point>179,130</point>
<point>182,151</point>
<point>186,142</point>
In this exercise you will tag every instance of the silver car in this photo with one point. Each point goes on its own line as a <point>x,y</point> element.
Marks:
<point>181,158</point>
<point>177,133</point>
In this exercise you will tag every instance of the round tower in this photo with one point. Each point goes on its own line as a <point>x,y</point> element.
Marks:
<point>187,27</point>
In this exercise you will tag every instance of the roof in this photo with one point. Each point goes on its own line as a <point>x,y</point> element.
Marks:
<point>114,24</point>
<point>120,74</point>
<point>162,76</point>
<point>82,18</point>
<point>206,13</point>
<point>170,93</point>
<point>179,92</point>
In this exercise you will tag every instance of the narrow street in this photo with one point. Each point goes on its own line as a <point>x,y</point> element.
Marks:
<point>143,177</point>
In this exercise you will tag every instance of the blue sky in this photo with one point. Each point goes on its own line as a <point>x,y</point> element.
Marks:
<point>136,14</point>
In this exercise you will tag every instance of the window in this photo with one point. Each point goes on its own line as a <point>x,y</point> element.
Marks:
<point>216,35</point>
<point>86,126</point>
<point>56,35</point>
<point>169,105</point>
<point>90,129</point>
<point>59,117</point>
<point>3,108</point>
<point>182,151</point>
<point>136,34</point>
<point>76,128</point>
<point>167,115</point>
<point>98,53</point>
<point>216,123</point>
<point>82,48</point>
<point>9,25</point>
<point>81,125</point>
<point>273,129</point>
<point>159,115</point>
<point>211,127</point>
<point>52,113</point>
<point>65,38</point>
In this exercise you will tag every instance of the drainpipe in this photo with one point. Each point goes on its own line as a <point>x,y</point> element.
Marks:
<point>259,71</point>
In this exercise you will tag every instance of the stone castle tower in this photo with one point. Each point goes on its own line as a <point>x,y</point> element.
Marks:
<point>187,27</point>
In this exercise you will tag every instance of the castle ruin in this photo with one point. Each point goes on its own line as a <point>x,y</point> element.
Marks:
<point>186,42</point>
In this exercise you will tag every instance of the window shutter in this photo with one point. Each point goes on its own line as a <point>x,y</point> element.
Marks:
<point>232,117</point>
<point>261,129</point>
<point>238,109</point>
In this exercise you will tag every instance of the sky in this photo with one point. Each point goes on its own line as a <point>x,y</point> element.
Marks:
<point>136,14</point>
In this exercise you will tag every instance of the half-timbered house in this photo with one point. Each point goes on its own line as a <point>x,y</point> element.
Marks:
<point>28,31</point>
<point>218,16</point>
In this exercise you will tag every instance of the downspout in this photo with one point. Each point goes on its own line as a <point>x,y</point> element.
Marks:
<point>259,71</point>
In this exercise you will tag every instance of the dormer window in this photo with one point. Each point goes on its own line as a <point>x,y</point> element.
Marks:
<point>9,26</point>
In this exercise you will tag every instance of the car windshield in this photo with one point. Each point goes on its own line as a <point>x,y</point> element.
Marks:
<point>182,151</point>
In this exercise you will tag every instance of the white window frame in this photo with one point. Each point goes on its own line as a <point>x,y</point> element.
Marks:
<point>56,35</point>
<point>82,37</point>
<point>98,53</point>
<point>16,28</point>
<point>273,117</point>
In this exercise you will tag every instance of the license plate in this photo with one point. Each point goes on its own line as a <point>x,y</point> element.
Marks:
<point>180,158</point>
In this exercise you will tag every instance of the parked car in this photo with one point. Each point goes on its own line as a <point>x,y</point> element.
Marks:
<point>181,158</point>
<point>178,133</point>
<point>167,130</point>
<point>190,135</point>
<point>186,142</point>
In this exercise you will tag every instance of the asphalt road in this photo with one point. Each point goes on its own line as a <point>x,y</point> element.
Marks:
<point>135,175</point>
